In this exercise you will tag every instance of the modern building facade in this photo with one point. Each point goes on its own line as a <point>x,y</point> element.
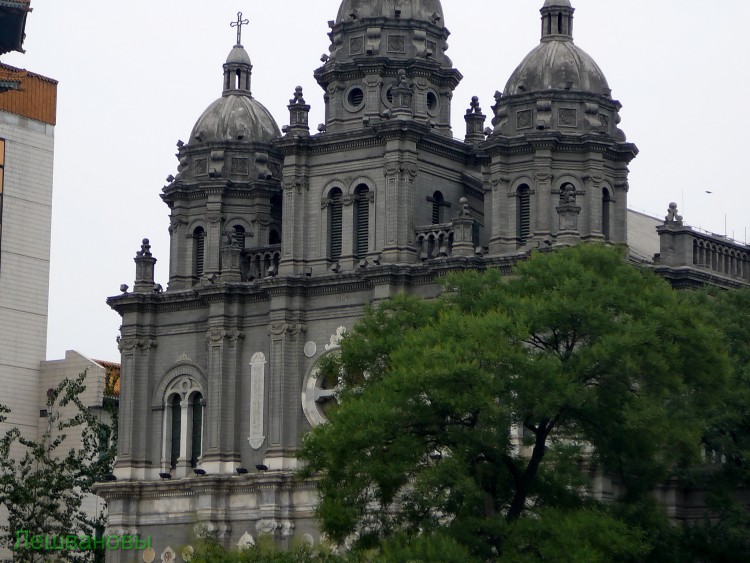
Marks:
<point>28,107</point>
<point>281,237</point>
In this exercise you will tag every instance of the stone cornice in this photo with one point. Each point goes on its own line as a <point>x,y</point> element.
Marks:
<point>192,486</point>
<point>557,142</point>
<point>363,66</point>
<point>558,95</point>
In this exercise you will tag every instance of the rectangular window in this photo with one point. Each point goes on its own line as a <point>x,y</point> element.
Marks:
<point>2,179</point>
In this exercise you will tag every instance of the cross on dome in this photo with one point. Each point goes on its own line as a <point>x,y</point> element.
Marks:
<point>238,24</point>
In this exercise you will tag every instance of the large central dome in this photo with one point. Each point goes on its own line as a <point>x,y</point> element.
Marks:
<point>410,9</point>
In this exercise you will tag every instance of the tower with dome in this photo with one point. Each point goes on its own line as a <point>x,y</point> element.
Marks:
<point>281,236</point>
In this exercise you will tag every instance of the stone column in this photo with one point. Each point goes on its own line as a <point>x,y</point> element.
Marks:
<point>399,210</point>
<point>135,407</point>
<point>180,272</point>
<point>220,454</point>
<point>540,218</point>
<point>213,238</point>
<point>284,394</point>
<point>502,238</point>
<point>296,189</point>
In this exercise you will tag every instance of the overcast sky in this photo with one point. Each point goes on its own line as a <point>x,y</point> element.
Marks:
<point>134,77</point>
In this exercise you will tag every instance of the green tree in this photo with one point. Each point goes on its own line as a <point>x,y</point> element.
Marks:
<point>499,399</point>
<point>43,488</point>
<point>723,536</point>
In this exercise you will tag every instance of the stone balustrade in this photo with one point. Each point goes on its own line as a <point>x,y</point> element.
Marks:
<point>459,237</point>
<point>683,246</point>
<point>262,262</point>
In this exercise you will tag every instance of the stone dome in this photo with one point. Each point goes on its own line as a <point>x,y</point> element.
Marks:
<point>410,9</point>
<point>238,55</point>
<point>557,64</point>
<point>235,117</point>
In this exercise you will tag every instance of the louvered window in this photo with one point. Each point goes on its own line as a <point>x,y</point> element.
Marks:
<point>199,241</point>
<point>239,236</point>
<point>606,203</point>
<point>197,429</point>
<point>362,222</point>
<point>334,223</point>
<point>523,224</point>
<point>176,430</point>
<point>438,201</point>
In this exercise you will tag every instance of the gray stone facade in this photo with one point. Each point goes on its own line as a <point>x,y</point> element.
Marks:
<point>280,238</point>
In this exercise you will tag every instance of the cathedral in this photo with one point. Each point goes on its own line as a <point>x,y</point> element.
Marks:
<point>281,236</point>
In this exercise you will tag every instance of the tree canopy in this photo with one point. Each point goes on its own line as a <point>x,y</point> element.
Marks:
<point>43,488</point>
<point>491,409</point>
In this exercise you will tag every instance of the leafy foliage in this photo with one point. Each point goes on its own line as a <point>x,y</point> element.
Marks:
<point>495,402</point>
<point>43,489</point>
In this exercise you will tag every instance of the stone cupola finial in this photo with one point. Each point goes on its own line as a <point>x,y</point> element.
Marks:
<point>299,113</point>
<point>474,122</point>
<point>557,19</point>
<point>673,217</point>
<point>144,269</point>
<point>238,69</point>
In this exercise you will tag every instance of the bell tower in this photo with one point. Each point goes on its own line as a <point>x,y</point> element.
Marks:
<point>371,43</point>
<point>559,162</point>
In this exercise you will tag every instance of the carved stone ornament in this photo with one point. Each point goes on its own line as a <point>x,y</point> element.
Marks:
<point>188,553</point>
<point>131,343</point>
<point>336,338</point>
<point>246,541</point>
<point>216,334</point>
<point>267,526</point>
<point>168,555</point>
<point>287,528</point>
<point>282,328</point>
<point>149,555</point>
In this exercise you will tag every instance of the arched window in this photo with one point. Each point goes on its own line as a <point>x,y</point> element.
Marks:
<point>196,431</point>
<point>438,202</point>
<point>523,213</point>
<point>606,214</point>
<point>334,223</point>
<point>239,236</point>
<point>199,241</point>
<point>361,221</point>
<point>184,413</point>
<point>274,237</point>
<point>176,430</point>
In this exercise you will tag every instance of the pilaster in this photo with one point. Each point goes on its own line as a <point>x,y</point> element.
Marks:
<point>213,236</point>
<point>220,453</point>
<point>134,439</point>
<point>399,208</point>
<point>284,394</point>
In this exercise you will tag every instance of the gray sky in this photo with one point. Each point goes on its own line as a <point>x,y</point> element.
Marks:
<point>135,76</point>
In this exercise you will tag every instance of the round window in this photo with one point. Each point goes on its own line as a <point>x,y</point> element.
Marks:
<point>433,103</point>
<point>355,99</point>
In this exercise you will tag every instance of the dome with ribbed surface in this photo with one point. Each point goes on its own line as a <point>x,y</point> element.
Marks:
<point>410,9</point>
<point>235,117</point>
<point>557,65</point>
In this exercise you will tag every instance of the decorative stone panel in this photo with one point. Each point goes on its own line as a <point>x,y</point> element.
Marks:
<point>524,119</point>
<point>396,44</point>
<point>357,45</point>
<point>567,117</point>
